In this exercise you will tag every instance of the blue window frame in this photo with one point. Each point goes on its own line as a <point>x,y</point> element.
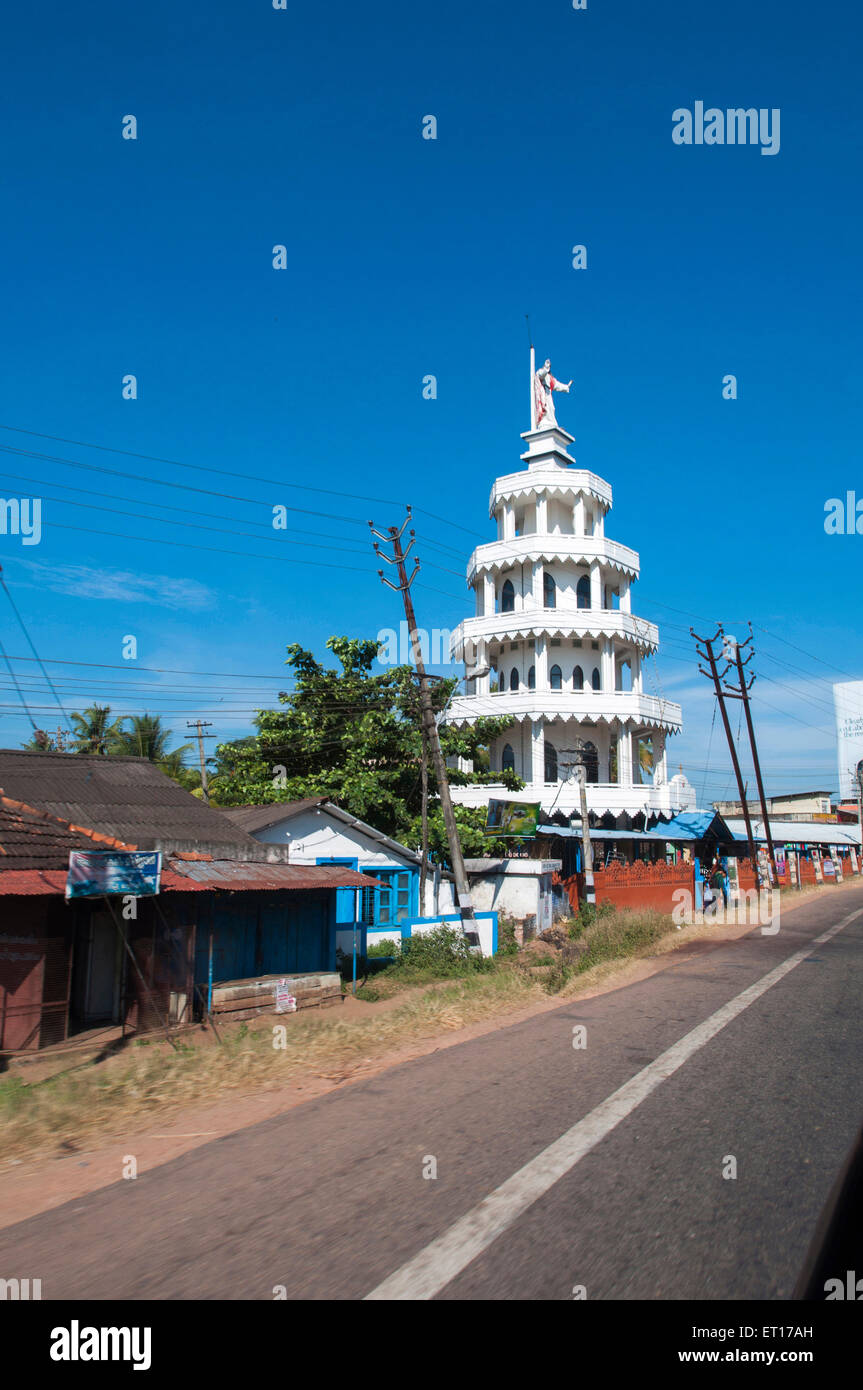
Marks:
<point>391,904</point>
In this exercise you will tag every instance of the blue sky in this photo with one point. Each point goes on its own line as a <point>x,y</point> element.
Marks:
<point>406,257</point>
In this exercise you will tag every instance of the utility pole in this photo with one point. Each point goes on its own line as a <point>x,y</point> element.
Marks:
<point>731,650</point>
<point>200,725</point>
<point>713,674</point>
<point>430,729</point>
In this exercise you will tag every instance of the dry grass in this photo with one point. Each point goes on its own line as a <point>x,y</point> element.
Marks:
<point>151,1079</point>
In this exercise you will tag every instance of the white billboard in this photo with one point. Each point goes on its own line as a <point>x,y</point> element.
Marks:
<point>848,702</point>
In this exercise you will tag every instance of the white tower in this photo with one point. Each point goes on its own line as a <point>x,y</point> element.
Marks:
<point>553,621</point>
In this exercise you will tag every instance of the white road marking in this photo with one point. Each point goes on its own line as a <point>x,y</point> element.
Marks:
<point>435,1266</point>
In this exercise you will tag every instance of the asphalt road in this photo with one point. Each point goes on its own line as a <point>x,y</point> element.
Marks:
<point>621,1192</point>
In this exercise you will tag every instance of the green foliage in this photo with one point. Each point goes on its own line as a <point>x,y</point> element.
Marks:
<point>439,953</point>
<point>354,735</point>
<point>136,735</point>
<point>96,731</point>
<point>507,945</point>
<point>386,948</point>
<point>146,737</point>
<point>603,934</point>
<point>587,914</point>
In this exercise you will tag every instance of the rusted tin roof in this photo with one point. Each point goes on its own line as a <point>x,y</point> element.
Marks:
<point>237,877</point>
<point>220,875</point>
<point>28,883</point>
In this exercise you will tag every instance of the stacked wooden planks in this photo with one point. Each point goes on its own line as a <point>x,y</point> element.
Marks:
<point>235,1000</point>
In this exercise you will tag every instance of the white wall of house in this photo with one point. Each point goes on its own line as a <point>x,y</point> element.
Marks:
<point>314,835</point>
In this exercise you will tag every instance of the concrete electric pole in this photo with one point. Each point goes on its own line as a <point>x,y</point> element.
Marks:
<point>430,729</point>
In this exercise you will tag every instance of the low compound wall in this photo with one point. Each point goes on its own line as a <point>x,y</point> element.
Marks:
<point>643,885</point>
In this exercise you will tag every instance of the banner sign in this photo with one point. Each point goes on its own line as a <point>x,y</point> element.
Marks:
<point>645,762</point>
<point>733,881</point>
<point>764,869</point>
<point>514,819</point>
<point>793,871</point>
<point>102,873</point>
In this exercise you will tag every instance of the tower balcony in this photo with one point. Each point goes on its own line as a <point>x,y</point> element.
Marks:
<point>626,708</point>
<point>497,556</point>
<point>602,797</point>
<point>552,478</point>
<point>551,622</point>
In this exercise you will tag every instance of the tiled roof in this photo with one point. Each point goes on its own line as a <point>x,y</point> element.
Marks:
<point>33,839</point>
<point>128,798</point>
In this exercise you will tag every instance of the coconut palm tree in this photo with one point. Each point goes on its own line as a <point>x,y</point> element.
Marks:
<point>95,731</point>
<point>143,738</point>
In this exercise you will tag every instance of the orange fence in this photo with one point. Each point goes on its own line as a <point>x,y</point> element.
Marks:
<point>653,885</point>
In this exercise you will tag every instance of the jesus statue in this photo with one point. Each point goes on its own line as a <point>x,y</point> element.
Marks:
<point>544,386</point>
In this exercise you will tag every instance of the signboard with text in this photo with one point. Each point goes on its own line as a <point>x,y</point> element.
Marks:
<point>104,873</point>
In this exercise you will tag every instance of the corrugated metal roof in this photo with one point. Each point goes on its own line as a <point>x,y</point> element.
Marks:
<point>797,832</point>
<point>128,798</point>
<point>687,825</point>
<point>236,877</point>
<point>252,818</point>
<point>30,883</point>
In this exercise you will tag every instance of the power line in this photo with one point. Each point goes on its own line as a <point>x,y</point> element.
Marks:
<point>195,526</point>
<point>21,624</point>
<point>219,472</point>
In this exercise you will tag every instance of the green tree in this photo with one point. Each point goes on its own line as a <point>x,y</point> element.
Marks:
<point>354,735</point>
<point>95,731</point>
<point>146,737</point>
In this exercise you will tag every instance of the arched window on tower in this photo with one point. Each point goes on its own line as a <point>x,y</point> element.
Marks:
<point>507,760</point>
<point>513,679</point>
<point>531,678</point>
<point>555,678</point>
<point>578,679</point>
<point>582,590</point>
<point>550,762</point>
<point>549,590</point>
<point>591,762</point>
<point>507,597</point>
<point>594,680</point>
